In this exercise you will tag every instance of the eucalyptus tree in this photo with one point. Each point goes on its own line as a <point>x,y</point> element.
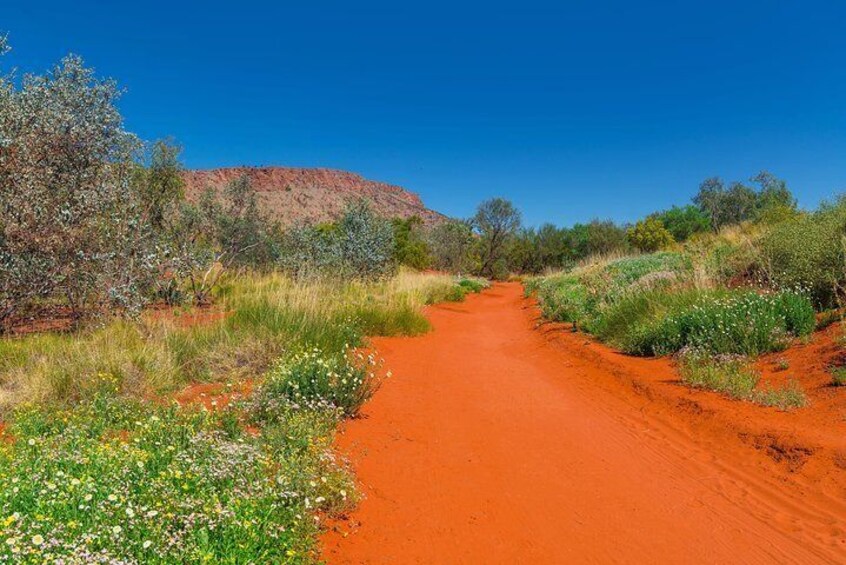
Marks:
<point>71,225</point>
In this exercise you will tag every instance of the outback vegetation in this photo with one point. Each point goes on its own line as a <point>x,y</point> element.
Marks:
<point>172,372</point>
<point>152,298</point>
<point>749,273</point>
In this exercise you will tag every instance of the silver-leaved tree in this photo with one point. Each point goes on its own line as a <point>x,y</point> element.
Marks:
<point>72,229</point>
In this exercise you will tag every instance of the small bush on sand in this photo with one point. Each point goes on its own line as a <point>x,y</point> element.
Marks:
<point>838,376</point>
<point>728,374</point>
<point>733,376</point>
<point>313,379</point>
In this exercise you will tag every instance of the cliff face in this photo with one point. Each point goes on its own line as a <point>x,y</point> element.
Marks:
<point>294,195</point>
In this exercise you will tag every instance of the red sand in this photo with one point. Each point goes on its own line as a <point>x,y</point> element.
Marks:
<point>501,440</point>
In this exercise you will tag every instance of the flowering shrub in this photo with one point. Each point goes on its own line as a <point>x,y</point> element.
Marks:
<point>119,481</point>
<point>742,322</point>
<point>649,235</point>
<point>312,379</point>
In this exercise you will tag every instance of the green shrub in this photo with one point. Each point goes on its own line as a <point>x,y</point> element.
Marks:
<point>315,380</point>
<point>728,374</point>
<point>582,296</point>
<point>838,376</point>
<point>649,235</point>
<point>473,285</point>
<point>733,376</point>
<point>742,322</point>
<point>783,398</point>
<point>808,252</point>
<point>683,222</point>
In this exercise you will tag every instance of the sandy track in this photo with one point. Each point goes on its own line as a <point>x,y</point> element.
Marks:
<point>491,445</point>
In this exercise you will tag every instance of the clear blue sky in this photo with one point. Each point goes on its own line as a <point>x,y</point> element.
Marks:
<point>573,110</point>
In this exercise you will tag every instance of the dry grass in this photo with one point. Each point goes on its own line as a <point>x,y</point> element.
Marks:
<point>265,314</point>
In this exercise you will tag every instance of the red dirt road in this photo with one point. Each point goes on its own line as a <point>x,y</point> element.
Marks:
<point>494,443</point>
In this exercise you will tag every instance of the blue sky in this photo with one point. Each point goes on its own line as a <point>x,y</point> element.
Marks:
<point>573,110</point>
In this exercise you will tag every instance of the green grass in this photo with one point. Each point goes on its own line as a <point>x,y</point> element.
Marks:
<point>838,376</point>
<point>646,305</point>
<point>727,374</point>
<point>733,376</point>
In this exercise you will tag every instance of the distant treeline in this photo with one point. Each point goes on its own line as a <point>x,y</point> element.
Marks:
<point>94,220</point>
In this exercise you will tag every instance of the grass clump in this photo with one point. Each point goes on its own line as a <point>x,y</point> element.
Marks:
<point>732,375</point>
<point>838,376</point>
<point>727,374</point>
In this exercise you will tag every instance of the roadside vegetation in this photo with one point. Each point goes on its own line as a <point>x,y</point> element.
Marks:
<point>748,275</point>
<point>117,295</point>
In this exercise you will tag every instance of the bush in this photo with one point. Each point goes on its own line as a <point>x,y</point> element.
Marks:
<point>684,222</point>
<point>360,245</point>
<point>410,248</point>
<point>728,374</point>
<point>649,235</point>
<point>808,252</point>
<point>743,322</point>
<point>452,247</point>
<point>73,228</point>
<point>312,379</point>
<point>733,376</point>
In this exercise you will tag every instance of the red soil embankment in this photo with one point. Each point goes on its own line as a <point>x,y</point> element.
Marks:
<point>504,440</point>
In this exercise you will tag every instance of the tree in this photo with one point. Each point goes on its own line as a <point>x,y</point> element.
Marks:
<point>533,251</point>
<point>160,184</point>
<point>496,221</point>
<point>685,221</point>
<point>599,237</point>
<point>775,202</point>
<point>739,203</point>
<point>452,247</point>
<point>73,227</point>
<point>410,246</point>
<point>649,235</point>
<point>725,206</point>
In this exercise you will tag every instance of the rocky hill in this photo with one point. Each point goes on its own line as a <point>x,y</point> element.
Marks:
<point>294,195</point>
